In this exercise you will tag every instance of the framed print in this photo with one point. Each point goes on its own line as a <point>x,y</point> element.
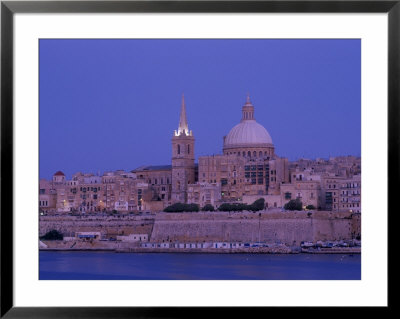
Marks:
<point>119,197</point>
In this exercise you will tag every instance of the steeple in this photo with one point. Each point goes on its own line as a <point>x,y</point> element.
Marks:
<point>248,109</point>
<point>183,167</point>
<point>183,128</point>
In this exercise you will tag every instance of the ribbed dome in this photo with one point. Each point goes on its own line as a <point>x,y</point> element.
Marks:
<point>247,132</point>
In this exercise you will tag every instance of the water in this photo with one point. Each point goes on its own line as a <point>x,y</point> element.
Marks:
<point>183,266</point>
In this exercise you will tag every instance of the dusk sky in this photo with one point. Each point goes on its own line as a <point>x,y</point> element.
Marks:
<point>114,104</point>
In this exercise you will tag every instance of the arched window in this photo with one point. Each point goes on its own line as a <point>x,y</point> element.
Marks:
<point>265,153</point>
<point>248,154</point>
<point>179,149</point>
<point>255,154</point>
<point>188,148</point>
<point>244,154</point>
<point>260,154</point>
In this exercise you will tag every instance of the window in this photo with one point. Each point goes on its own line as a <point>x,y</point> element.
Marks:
<point>179,149</point>
<point>188,149</point>
<point>288,195</point>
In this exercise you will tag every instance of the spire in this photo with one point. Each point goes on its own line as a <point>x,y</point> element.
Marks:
<point>183,126</point>
<point>248,98</point>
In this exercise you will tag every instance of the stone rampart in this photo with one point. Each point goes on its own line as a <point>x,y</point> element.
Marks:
<point>109,226</point>
<point>289,228</point>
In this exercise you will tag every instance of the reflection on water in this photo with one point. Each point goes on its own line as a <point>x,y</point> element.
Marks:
<point>184,266</point>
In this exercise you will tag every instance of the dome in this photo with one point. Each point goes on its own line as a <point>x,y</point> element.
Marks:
<point>247,133</point>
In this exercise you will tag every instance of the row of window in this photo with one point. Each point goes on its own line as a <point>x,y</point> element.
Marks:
<point>348,185</point>
<point>249,154</point>
<point>84,189</point>
<point>155,181</point>
<point>256,167</point>
<point>253,174</point>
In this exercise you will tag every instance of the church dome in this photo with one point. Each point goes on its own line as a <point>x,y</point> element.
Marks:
<point>247,132</point>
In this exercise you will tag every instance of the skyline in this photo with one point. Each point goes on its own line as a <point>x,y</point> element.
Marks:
<point>98,98</point>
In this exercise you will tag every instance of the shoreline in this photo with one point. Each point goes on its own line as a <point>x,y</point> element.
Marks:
<point>288,251</point>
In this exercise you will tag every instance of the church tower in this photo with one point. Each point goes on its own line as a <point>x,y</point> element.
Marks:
<point>183,168</point>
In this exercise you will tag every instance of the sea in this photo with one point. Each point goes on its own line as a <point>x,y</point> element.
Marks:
<point>100,265</point>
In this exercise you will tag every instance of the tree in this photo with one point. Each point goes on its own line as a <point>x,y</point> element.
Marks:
<point>191,208</point>
<point>294,204</point>
<point>208,208</point>
<point>180,207</point>
<point>52,235</point>
<point>259,204</point>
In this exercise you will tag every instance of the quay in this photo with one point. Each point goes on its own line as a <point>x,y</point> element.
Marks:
<point>216,248</point>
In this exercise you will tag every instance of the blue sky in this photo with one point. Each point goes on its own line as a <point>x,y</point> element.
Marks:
<point>113,104</point>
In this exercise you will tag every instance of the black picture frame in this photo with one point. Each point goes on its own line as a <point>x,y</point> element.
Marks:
<point>9,8</point>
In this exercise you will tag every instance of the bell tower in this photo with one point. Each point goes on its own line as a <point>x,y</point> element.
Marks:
<point>183,168</point>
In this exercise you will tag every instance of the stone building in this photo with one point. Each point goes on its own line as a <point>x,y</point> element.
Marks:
<point>308,192</point>
<point>204,193</point>
<point>47,196</point>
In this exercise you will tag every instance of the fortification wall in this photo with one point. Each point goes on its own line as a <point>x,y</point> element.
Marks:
<point>287,227</point>
<point>110,226</point>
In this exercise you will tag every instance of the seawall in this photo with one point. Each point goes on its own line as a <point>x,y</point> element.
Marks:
<point>112,226</point>
<point>290,228</point>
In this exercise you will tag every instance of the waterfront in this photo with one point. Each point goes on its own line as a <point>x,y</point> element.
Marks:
<point>70,265</point>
